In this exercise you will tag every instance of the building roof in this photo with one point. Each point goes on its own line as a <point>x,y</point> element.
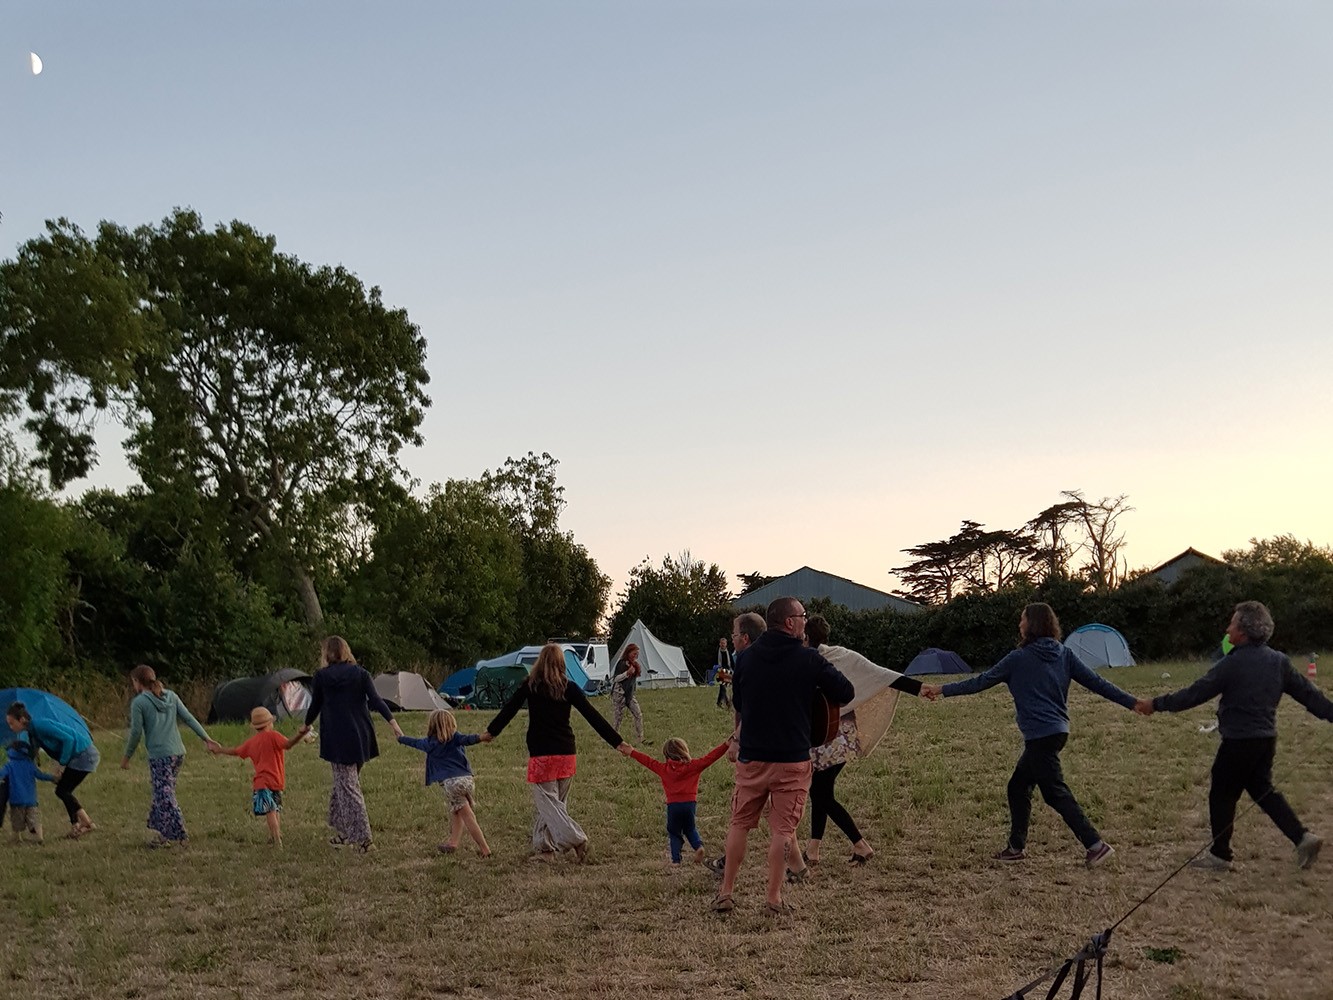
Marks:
<point>806,584</point>
<point>1191,551</point>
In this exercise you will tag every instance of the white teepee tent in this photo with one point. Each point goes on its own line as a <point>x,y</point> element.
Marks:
<point>663,664</point>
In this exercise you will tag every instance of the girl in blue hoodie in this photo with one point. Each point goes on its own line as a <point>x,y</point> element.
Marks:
<point>447,766</point>
<point>154,713</point>
<point>1038,673</point>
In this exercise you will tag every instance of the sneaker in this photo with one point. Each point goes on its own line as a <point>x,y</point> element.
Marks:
<point>1096,855</point>
<point>1010,854</point>
<point>1210,862</point>
<point>717,865</point>
<point>1307,851</point>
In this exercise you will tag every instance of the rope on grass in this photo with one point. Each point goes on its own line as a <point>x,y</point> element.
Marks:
<point>1096,948</point>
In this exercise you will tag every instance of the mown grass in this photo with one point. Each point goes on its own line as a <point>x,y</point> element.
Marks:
<point>931,917</point>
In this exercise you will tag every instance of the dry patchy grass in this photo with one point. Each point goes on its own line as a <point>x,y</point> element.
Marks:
<point>931,917</point>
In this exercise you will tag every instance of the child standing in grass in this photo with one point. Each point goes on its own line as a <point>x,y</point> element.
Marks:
<point>680,780</point>
<point>21,775</point>
<point>447,766</point>
<point>267,750</point>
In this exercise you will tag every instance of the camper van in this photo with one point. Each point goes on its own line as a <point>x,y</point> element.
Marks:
<point>594,655</point>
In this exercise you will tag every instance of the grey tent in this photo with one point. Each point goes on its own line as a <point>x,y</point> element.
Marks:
<point>936,661</point>
<point>407,692</point>
<point>285,693</point>
<point>1100,646</point>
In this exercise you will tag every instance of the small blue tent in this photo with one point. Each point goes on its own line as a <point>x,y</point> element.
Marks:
<point>459,683</point>
<point>1100,646</point>
<point>936,661</point>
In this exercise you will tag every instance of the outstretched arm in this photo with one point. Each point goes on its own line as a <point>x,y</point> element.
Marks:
<point>1206,688</point>
<point>508,712</point>
<point>997,674</point>
<point>1098,684</point>
<point>1300,688</point>
<point>603,728</point>
<point>298,737</point>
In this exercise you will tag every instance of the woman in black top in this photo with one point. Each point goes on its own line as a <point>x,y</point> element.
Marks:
<point>549,695</point>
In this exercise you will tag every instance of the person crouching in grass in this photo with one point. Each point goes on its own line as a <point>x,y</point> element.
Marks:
<point>680,781</point>
<point>447,766</point>
<point>267,751</point>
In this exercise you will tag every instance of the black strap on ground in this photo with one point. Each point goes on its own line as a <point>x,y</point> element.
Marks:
<point>1079,964</point>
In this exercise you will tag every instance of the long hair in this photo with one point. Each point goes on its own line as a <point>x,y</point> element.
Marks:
<point>334,649</point>
<point>633,668</point>
<point>676,749</point>
<point>146,678</point>
<point>442,725</point>
<point>548,673</point>
<point>1041,624</point>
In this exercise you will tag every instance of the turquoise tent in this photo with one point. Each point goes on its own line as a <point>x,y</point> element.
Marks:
<point>498,678</point>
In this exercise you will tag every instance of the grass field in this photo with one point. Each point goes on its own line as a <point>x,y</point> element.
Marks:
<point>930,917</point>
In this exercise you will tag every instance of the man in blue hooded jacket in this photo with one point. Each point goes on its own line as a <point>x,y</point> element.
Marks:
<point>1038,673</point>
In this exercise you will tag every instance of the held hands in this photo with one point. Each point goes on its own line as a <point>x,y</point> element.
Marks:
<point>124,763</point>
<point>304,730</point>
<point>1143,706</point>
<point>930,692</point>
<point>485,736</point>
<point>625,749</point>
<point>397,729</point>
<point>213,745</point>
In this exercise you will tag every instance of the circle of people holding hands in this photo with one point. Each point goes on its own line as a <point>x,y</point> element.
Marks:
<point>786,679</point>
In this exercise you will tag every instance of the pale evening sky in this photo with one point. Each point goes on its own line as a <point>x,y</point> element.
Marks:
<point>778,283</point>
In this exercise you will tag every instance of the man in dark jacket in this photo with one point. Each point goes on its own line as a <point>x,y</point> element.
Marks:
<point>773,689</point>
<point>1251,679</point>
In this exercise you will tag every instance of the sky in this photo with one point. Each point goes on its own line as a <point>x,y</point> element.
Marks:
<point>779,284</point>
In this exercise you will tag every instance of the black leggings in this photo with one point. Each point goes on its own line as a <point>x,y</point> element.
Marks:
<point>823,806</point>
<point>69,780</point>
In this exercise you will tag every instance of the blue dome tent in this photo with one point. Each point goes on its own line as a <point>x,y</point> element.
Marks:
<point>1100,645</point>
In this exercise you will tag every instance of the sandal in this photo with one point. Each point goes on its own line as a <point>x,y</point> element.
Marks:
<point>786,906</point>
<point>339,841</point>
<point>795,877</point>
<point>723,904</point>
<point>860,859</point>
<point>809,861</point>
<point>446,848</point>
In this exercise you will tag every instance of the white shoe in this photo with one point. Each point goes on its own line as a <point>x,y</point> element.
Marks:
<point>1210,862</point>
<point>1307,851</point>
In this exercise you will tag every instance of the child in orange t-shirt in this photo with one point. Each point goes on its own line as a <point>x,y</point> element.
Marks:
<point>266,750</point>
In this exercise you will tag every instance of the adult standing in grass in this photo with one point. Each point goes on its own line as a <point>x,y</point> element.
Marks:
<point>862,723</point>
<point>1251,680</point>
<point>71,747</point>
<point>154,715</point>
<point>773,690</point>
<point>624,681</point>
<point>344,694</point>
<point>1038,673</point>
<point>549,695</point>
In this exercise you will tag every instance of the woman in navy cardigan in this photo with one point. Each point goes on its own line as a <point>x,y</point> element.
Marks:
<point>344,693</point>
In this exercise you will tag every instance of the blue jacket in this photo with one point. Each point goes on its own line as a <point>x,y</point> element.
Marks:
<point>444,760</point>
<point>344,693</point>
<point>1038,676</point>
<point>22,775</point>
<point>60,742</point>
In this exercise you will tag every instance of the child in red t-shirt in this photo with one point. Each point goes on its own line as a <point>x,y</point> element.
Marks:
<point>680,780</point>
<point>266,750</point>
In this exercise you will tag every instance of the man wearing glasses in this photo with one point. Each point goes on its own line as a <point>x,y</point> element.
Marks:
<point>773,689</point>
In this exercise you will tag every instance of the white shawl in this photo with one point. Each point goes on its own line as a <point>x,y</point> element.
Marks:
<point>875,700</point>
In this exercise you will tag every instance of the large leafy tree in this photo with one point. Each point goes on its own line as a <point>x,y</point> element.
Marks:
<point>684,601</point>
<point>279,390</point>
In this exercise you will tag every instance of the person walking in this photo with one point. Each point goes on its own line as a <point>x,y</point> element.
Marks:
<point>623,685</point>
<point>550,695</point>
<point>344,694</point>
<point>72,748</point>
<point>155,714</point>
<point>773,690</point>
<point>1038,673</point>
<point>1251,680</point>
<point>723,674</point>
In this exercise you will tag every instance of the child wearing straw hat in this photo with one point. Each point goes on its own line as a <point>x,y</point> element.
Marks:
<point>266,750</point>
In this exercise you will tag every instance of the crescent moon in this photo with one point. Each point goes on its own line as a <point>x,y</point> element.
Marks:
<point>36,63</point>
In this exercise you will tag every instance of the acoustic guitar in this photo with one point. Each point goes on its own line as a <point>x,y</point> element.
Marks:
<point>824,720</point>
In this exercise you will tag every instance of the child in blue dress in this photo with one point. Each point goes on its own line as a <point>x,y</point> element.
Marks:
<point>447,766</point>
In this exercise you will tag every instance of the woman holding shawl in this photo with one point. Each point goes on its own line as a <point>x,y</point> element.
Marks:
<point>863,723</point>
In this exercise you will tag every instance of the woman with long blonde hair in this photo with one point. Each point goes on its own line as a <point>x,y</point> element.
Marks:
<point>344,693</point>
<point>549,695</point>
